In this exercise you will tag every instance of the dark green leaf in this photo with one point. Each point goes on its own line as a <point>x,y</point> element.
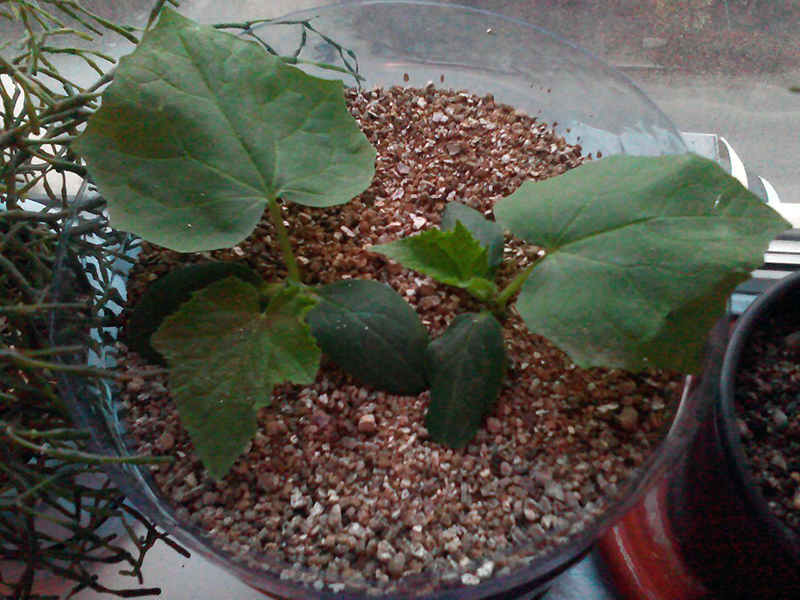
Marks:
<point>487,232</point>
<point>200,129</point>
<point>166,295</point>
<point>466,366</point>
<point>642,255</point>
<point>452,257</point>
<point>225,356</point>
<point>367,329</point>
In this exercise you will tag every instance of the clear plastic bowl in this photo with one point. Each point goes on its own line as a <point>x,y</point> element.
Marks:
<point>482,52</point>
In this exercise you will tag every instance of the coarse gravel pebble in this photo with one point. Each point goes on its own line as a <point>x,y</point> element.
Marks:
<point>342,482</point>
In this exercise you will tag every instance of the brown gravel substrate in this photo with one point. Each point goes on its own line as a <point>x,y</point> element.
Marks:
<point>768,405</point>
<point>342,481</point>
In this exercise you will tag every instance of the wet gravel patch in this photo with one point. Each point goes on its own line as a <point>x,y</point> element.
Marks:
<point>342,482</point>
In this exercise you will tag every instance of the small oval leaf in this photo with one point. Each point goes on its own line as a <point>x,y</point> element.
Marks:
<point>367,329</point>
<point>466,367</point>
<point>487,232</point>
<point>165,296</point>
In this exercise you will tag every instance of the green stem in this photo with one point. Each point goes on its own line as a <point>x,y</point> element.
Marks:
<point>24,361</point>
<point>32,491</point>
<point>24,309</point>
<point>83,457</point>
<point>512,288</point>
<point>57,111</point>
<point>241,24</point>
<point>24,285</point>
<point>293,60</point>
<point>51,434</point>
<point>51,351</point>
<point>276,216</point>
<point>267,291</point>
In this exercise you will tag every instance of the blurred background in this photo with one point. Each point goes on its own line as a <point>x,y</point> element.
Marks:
<point>730,67</point>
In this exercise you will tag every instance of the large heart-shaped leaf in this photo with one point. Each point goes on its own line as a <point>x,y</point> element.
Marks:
<point>453,257</point>
<point>642,255</point>
<point>165,296</point>
<point>200,129</point>
<point>367,329</point>
<point>466,366</point>
<point>225,356</point>
<point>487,232</point>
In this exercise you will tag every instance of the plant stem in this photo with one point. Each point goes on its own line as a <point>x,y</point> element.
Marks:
<point>276,216</point>
<point>84,457</point>
<point>241,24</point>
<point>293,60</point>
<point>24,285</point>
<point>512,288</point>
<point>33,308</point>
<point>24,361</point>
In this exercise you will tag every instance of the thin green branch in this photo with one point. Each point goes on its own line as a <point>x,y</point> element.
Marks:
<point>26,309</point>
<point>54,351</point>
<point>276,216</point>
<point>293,60</point>
<point>243,25</point>
<point>54,434</point>
<point>78,456</point>
<point>502,298</point>
<point>24,361</point>
<point>124,31</point>
<point>45,483</point>
<point>24,285</point>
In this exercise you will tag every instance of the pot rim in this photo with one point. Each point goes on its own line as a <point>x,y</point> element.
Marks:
<point>725,413</point>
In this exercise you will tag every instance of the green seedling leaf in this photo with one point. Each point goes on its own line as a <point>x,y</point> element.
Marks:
<point>453,257</point>
<point>642,255</point>
<point>367,329</point>
<point>225,356</point>
<point>165,296</point>
<point>466,366</point>
<point>487,232</point>
<point>200,129</point>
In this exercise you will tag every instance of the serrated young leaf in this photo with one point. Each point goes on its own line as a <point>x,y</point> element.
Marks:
<point>165,296</point>
<point>642,255</point>
<point>466,367</point>
<point>453,257</point>
<point>293,300</point>
<point>487,232</point>
<point>200,129</point>
<point>225,356</point>
<point>372,333</point>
